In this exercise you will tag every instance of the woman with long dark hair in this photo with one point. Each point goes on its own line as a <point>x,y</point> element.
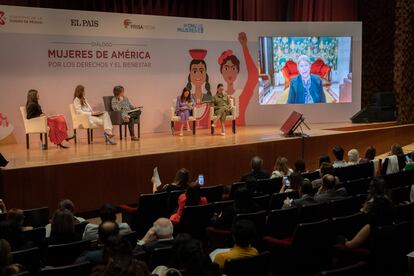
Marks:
<point>99,118</point>
<point>183,108</point>
<point>192,197</point>
<point>58,130</point>
<point>180,182</point>
<point>63,228</point>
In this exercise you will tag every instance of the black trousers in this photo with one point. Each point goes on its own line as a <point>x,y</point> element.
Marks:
<point>134,118</point>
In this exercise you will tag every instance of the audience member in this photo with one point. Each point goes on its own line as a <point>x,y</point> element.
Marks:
<point>305,193</point>
<point>409,163</point>
<point>180,182</point>
<point>370,154</point>
<point>243,232</point>
<point>380,212</point>
<point>189,256</point>
<point>338,152</point>
<point>243,203</point>
<point>106,213</point>
<point>353,157</point>
<point>63,228</point>
<point>291,183</point>
<point>12,230</point>
<point>6,266</point>
<point>326,168</point>
<point>106,230</point>
<point>256,172</point>
<point>281,168</point>
<point>119,260</point>
<point>3,208</point>
<point>395,162</point>
<point>69,205</point>
<point>160,235</point>
<point>324,159</point>
<point>300,166</point>
<point>192,197</point>
<point>327,191</point>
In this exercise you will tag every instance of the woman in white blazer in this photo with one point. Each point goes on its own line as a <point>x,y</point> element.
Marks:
<point>82,106</point>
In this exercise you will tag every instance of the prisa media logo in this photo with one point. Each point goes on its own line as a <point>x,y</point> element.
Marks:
<point>191,28</point>
<point>2,18</point>
<point>128,24</point>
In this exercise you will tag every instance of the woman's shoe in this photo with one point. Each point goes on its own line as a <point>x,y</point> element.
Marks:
<point>108,140</point>
<point>62,146</point>
<point>70,138</point>
<point>134,138</point>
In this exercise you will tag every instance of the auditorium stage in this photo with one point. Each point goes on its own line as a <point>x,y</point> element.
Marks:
<point>98,173</point>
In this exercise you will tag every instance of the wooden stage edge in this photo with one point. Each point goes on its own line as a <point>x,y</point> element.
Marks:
<point>94,174</point>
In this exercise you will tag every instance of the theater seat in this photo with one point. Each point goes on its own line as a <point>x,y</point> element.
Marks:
<point>150,208</point>
<point>65,254</point>
<point>309,250</point>
<point>195,219</point>
<point>276,201</point>
<point>37,217</point>
<point>29,258</point>
<point>212,193</point>
<point>81,269</point>
<point>344,206</point>
<point>281,223</point>
<point>358,269</point>
<point>348,226</point>
<point>160,256</point>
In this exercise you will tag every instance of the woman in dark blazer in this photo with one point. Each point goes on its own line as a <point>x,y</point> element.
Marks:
<point>306,88</point>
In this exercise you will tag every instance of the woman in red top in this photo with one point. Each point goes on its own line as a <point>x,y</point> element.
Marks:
<point>192,197</point>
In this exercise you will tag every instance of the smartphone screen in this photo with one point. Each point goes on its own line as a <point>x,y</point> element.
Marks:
<point>287,182</point>
<point>201,179</point>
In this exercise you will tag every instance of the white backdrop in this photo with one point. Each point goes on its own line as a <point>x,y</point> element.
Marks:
<point>161,45</point>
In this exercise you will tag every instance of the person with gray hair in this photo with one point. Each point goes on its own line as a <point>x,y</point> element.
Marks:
<point>353,157</point>
<point>159,235</point>
<point>306,87</point>
<point>256,172</point>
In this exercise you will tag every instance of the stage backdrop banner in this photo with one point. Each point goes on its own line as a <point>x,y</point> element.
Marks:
<point>153,57</point>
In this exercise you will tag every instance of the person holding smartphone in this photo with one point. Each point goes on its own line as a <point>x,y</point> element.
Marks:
<point>3,208</point>
<point>291,183</point>
<point>191,197</point>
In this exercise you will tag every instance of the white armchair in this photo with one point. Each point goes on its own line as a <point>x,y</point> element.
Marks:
<point>81,121</point>
<point>36,125</point>
<point>230,117</point>
<point>175,118</point>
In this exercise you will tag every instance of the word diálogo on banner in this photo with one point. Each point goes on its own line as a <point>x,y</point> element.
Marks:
<point>191,28</point>
<point>2,18</point>
<point>93,23</point>
<point>128,24</point>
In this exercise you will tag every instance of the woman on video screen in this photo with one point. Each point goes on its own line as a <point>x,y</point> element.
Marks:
<point>306,87</point>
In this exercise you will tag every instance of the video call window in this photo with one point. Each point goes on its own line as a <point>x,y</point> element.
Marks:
<point>305,70</point>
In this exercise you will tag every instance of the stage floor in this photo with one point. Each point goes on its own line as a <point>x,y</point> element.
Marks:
<point>158,143</point>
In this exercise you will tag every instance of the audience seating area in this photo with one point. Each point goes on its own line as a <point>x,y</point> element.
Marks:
<point>298,240</point>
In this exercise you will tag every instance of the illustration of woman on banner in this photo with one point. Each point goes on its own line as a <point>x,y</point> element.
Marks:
<point>229,69</point>
<point>6,129</point>
<point>198,84</point>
